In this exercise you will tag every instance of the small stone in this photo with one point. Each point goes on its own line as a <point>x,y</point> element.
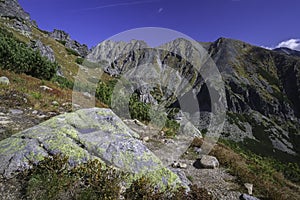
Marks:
<point>41,116</point>
<point>87,95</point>
<point>4,80</point>
<point>197,150</point>
<point>209,162</point>
<point>146,139</point>
<point>249,187</point>
<point>35,112</point>
<point>176,164</point>
<point>45,88</point>
<point>55,103</point>
<point>182,165</point>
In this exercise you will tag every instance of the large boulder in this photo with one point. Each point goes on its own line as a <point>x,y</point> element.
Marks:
<point>83,135</point>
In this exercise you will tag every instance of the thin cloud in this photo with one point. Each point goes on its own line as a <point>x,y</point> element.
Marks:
<point>269,48</point>
<point>120,4</point>
<point>291,44</point>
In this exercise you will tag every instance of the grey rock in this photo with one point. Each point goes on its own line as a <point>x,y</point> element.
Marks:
<point>60,35</point>
<point>45,88</point>
<point>16,111</point>
<point>4,80</point>
<point>185,181</point>
<point>249,187</point>
<point>209,162</point>
<point>45,51</point>
<point>22,26</point>
<point>12,9</point>
<point>85,134</point>
<point>247,197</point>
<point>55,103</point>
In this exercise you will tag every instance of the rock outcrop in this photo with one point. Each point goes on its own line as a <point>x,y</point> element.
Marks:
<point>66,39</point>
<point>12,9</point>
<point>45,51</point>
<point>85,134</point>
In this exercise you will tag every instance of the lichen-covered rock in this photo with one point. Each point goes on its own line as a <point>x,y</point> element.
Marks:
<point>85,134</point>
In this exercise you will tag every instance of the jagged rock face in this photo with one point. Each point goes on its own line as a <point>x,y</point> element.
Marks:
<point>138,63</point>
<point>21,26</point>
<point>111,50</point>
<point>45,51</point>
<point>60,35</point>
<point>85,134</point>
<point>11,8</point>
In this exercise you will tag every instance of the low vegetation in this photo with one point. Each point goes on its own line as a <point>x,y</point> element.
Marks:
<point>267,175</point>
<point>53,178</point>
<point>18,57</point>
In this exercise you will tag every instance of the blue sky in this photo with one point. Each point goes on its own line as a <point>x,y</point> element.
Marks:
<point>259,22</point>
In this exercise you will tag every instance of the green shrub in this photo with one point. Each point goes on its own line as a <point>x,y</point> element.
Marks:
<point>72,52</point>
<point>79,60</point>
<point>62,81</point>
<point>62,42</point>
<point>18,57</point>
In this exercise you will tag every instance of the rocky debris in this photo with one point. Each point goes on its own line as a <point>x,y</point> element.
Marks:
<point>217,181</point>
<point>64,37</point>
<point>4,80</point>
<point>249,187</point>
<point>85,134</point>
<point>247,197</point>
<point>45,51</point>
<point>12,9</point>
<point>209,162</point>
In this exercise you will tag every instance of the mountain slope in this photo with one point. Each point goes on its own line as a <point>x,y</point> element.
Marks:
<point>262,88</point>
